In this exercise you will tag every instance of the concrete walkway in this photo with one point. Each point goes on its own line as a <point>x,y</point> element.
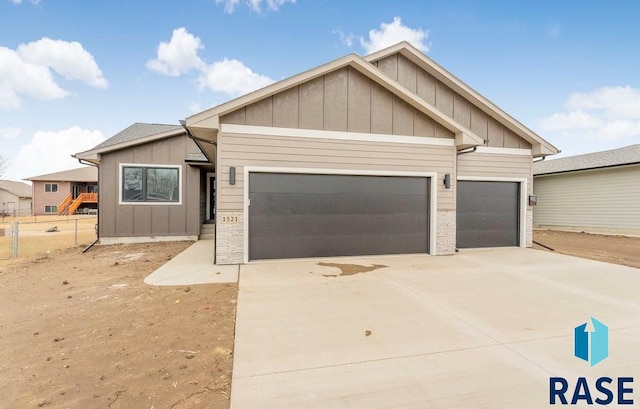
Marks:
<point>193,266</point>
<point>484,328</point>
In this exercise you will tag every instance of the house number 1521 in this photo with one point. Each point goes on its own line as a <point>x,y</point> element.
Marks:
<point>229,219</point>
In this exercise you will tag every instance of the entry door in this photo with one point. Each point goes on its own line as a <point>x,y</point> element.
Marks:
<point>211,196</point>
<point>487,214</point>
<point>302,215</point>
<point>75,191</point>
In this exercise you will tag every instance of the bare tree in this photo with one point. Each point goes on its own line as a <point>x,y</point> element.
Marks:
<point>4,164</point>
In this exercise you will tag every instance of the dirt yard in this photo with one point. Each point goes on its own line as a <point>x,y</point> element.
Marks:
<point>84,331</point>
<point>611,249</point>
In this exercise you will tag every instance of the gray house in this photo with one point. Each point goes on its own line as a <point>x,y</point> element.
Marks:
<point>15,198</point>
<point>386,154</point>
<point>596,192</point>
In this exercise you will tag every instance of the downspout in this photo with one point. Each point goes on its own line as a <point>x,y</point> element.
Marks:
<point>84,162</point>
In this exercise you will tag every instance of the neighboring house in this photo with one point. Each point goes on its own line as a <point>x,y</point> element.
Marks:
<point>597,192</point>
<point>15,198</point>
<point>67,192</point>
<point>386,154</point>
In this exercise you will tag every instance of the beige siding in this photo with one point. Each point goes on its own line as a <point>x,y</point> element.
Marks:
<point>42,198</point>
<point>600,200</point>
<point>268,151</point>
<point>449,102</point>
<point>129,220</point>
<point>13,205</point>
<point>344,100</point>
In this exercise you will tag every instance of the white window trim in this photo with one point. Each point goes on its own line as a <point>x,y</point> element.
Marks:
<point>150,165</point>
<point>339,135</point>
<point>522,214</point>
<point>433,194</point>
<point>52,184</point>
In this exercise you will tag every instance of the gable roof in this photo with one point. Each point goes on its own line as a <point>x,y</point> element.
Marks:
<point>135,134</point>
<point>604,159</point>
<point>19,189</point>
<point>541,147</point>
<point>204,125</point>
<point>83,174</point>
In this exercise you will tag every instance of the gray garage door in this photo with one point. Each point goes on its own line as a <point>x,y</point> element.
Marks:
<point>487,214</point>
<point>302,215</point>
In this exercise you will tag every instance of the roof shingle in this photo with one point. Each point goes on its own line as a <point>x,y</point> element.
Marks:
<point>614,157</point>
<point>19,189</point>
<point>84,174</point>
<point>137,131</point>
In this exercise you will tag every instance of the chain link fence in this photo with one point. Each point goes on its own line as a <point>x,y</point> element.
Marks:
<point>38,236</point>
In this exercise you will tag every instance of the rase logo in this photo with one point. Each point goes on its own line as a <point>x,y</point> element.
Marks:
<point>591,345</point>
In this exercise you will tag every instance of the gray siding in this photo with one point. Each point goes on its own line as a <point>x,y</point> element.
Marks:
<point>343,100</point>
<point>449,102</point>
<point>139,220</point>
<point>606,200</point>
<point>269,151</point>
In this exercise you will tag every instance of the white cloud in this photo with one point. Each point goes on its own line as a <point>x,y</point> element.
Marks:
<point>393,33</point>
<point>255,5</point>
<point>10,132</point>
<point>18,2</point>
<point>27,71</point>
<point>607,113</point>
<point>346,39</point>
<point>50,151</point>
<point>232,77</point>
<point>67,58</point>
<point>179,55</point>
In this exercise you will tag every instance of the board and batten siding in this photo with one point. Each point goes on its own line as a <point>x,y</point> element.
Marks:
<point>344,100</point>
<point>241,150</point>
<point>449,102</point>
<point>603,200</point>
<point>157,220</point>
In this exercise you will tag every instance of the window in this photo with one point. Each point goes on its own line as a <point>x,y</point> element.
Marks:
<point>51,187</point>
<point>50,208</point>
<point>92,189</point>
<point>150,184</point>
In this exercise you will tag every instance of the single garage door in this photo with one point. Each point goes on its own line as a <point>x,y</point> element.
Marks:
<point>487,214</point>
<point>303,215</point>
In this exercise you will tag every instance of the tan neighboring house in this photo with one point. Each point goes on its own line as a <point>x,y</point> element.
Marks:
<point>67,192</point>
<point>597,192</point>
<point>383,154</point>
<point>15,199</point>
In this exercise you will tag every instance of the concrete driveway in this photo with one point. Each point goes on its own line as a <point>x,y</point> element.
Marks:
<point>483,328</point>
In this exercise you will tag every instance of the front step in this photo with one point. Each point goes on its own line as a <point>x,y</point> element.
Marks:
<point>208,232</point>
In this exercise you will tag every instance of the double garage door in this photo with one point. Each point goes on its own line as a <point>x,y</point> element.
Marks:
<point>308,215</point>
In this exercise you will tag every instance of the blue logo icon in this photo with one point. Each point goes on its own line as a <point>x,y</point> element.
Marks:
<point>591,345</point>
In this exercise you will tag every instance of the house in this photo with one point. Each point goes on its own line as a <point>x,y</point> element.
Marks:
<point>15,198</point>
<point>597,192</point>
<point>67,192</point>
<point>386,154</point>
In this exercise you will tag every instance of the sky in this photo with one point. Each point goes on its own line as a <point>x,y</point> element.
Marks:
<point>74,73</point>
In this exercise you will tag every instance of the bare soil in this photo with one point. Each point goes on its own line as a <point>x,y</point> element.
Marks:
<point>84,331</point>
<point>611,249</point>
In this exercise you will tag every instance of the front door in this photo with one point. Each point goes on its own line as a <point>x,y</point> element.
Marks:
<point>211,196</point>
<point>75,191</point>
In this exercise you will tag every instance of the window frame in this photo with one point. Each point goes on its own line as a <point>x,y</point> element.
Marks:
<point>145,166</point>
<point>52,209</point>
<point>51,185</point>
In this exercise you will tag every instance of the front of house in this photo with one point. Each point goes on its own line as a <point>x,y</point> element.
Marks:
<point>386,154</point>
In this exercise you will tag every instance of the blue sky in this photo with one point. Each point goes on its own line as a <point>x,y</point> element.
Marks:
<point>73,73</point>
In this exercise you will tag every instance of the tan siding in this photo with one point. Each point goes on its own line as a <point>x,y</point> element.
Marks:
<point>407,73</point>
<point>268,151</point>
<point>335,100</point>
<point>462,111</point>
<point>495,165</point>
<point>312,104</point>
<point>389,66</point>
<point>605,199</point>
<point>237,117</point>
<point>495,134</point>
<point>285,109</point>
<point>260,113</point>
<point>426,88</point>
<point>424,126</point>
<point>359,104</point>
<point>479,123</point>
<point>150,220</point>
<point>381,110</point>
<point>511,140</point>
<point>402,117</point>
<point>444,99</point>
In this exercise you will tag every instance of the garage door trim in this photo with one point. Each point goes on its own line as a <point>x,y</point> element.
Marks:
<point>433,198</point>
<point>522,212</point>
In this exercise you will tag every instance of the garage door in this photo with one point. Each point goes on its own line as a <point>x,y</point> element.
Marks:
<point>302,215</point>
<point>487,214</point>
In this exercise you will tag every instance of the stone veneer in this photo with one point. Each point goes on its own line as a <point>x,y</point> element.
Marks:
<point>230,237</point>
<point>445,232</point>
